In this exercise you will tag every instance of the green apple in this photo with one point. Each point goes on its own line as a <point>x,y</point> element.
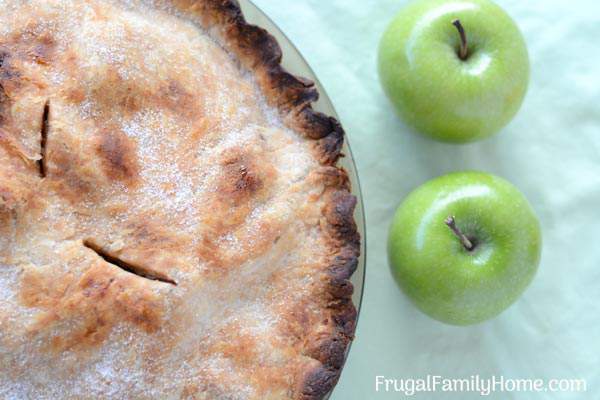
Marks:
<point>464,246</point>
<point>456,70</point>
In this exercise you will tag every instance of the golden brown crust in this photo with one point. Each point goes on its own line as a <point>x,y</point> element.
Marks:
<point>103,162</point>
<point>293,96</point>
<point>102,297</point>
<point>118,155</point>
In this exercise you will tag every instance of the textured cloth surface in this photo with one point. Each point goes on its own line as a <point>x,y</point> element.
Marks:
<point>551,151</point>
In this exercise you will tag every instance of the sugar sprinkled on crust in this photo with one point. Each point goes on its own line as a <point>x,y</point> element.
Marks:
<point>164,153</point>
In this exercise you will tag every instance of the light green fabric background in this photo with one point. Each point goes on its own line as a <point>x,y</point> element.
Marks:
<point>551,151</point>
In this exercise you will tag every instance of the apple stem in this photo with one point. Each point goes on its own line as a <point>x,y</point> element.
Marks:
<point>451,222</point>
<point>463,40</point>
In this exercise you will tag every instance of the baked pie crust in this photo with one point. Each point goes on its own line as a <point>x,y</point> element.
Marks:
<point>173,223</point>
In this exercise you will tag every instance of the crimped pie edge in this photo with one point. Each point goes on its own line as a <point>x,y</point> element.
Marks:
<point>258,51</point>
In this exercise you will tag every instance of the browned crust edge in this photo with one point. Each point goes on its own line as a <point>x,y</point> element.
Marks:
<point>293,96</point>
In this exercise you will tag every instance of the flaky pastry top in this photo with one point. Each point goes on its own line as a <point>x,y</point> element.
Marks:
<point>172,220</point>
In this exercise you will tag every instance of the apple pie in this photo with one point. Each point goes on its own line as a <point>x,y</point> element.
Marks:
<point>173,221</point>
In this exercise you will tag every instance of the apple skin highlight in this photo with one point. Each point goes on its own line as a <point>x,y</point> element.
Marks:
<point>433,268</point>
<point>435,91</point>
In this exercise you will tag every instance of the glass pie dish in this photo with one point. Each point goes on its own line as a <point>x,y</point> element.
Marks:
<point>173,221</point>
